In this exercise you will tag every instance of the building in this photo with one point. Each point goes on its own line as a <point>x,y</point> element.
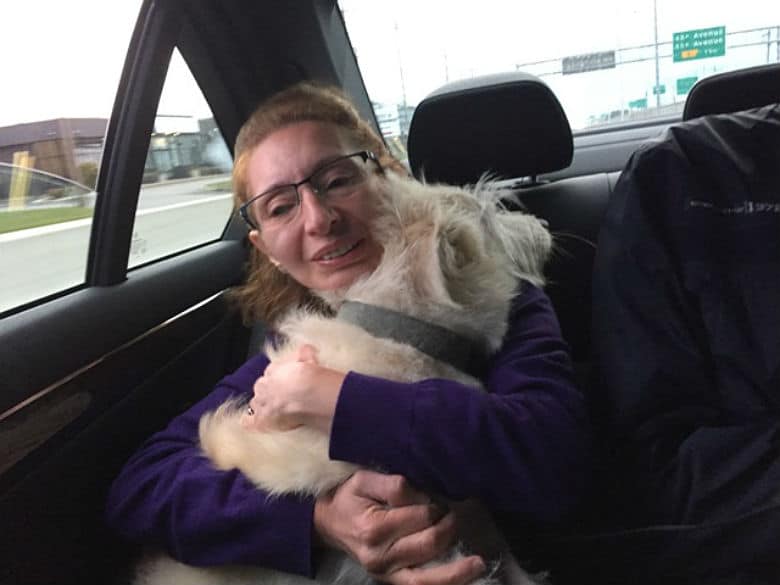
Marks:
<point>59,146</point>
<point>387,118</point>
<point>393,119</point>
<point>405,114</point>
<point>179,147</point>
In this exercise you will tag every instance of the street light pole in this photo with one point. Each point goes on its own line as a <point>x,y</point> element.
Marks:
<point>657,72</point>
<point>400,63</point>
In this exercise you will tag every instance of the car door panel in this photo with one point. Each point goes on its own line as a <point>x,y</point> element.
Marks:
<point>52,501</point>
<point>90,372</point>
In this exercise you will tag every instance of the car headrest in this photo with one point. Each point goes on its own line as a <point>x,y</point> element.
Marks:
<point>509,124</point>
<point>734,91</point>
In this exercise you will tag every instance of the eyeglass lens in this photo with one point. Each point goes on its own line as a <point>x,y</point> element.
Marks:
<point>334,180</point>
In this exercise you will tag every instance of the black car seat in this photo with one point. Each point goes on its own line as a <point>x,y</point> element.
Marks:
<point>513,126</point>
<point>734,91</point>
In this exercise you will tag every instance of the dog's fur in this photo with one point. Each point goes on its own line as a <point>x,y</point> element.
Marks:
<point>453,257</point>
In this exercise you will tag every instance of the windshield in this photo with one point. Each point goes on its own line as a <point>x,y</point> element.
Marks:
<point>608,61</point>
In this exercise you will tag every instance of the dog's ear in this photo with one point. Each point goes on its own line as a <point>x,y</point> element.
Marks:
<point>460,251</point>
<point>527,242</point>
<point>459,246</point>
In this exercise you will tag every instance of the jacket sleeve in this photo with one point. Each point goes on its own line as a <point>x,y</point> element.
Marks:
<point>695,442</point>
<point>522,446</point>
<point>169,494</point>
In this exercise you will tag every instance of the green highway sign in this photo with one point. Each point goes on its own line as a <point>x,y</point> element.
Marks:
<point>684,84</point>
<point>659,89</point>
<point>640,104</point>
<point>699,43</point>
<point>588,62</point>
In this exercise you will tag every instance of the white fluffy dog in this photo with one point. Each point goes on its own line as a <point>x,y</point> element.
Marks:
<point>452,262</point>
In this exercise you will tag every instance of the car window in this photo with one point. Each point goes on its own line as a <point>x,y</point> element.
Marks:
<point>185,197</point>
<point>608,61</point>
<point>61,67</point>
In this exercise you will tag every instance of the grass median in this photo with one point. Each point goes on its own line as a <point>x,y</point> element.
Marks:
<point>11,221</point>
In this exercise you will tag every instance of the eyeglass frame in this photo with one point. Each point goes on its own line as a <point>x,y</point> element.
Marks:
<point>243,210</point>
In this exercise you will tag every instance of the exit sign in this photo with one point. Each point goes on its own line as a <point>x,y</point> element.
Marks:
<point>699,43</point>
<point>588,62</point>
<point>684,84</point>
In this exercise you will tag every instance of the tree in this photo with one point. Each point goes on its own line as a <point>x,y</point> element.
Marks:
<point>88,172</point>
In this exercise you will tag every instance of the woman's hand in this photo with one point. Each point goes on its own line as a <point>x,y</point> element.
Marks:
<point>294,392</point>
<point>391,529</point>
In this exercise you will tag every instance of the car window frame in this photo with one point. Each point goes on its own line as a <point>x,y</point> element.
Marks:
<point>49,340</point>
<point>80,316</point>
<point>131,124</point>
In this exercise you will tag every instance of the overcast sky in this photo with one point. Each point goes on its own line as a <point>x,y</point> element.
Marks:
<point>412,47</point>
<point>63,59</point>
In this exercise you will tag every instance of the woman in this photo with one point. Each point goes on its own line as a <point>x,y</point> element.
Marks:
<point>520,448</point>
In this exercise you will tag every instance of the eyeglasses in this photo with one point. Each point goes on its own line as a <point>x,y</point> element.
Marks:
<point>336,179</point>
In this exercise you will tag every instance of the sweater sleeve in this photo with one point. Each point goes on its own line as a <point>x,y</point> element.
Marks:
<point>170,495</point>
<point>522,446</point>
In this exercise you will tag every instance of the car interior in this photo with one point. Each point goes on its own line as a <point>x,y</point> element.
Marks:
<point>533,142</point>
<point>92,371</point>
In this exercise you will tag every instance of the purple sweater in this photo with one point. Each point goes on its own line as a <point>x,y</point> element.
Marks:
<point>521,448</point>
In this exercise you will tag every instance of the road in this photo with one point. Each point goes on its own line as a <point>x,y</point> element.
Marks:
<point>171,217</point>
<point>179,191</point>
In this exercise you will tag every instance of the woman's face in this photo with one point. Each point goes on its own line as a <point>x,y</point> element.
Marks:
<point>329,243</point>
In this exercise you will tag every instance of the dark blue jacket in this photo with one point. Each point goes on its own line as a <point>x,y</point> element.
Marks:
<point>687,336</point>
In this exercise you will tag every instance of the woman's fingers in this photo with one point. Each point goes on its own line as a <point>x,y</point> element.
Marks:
<point>458,572</point>
<point>391,490</point>
<point>412,548</point>
<point>392,529</point>
<point>389,539</point>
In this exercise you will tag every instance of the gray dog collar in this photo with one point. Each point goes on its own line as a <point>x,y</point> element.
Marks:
<point>440,343</point>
